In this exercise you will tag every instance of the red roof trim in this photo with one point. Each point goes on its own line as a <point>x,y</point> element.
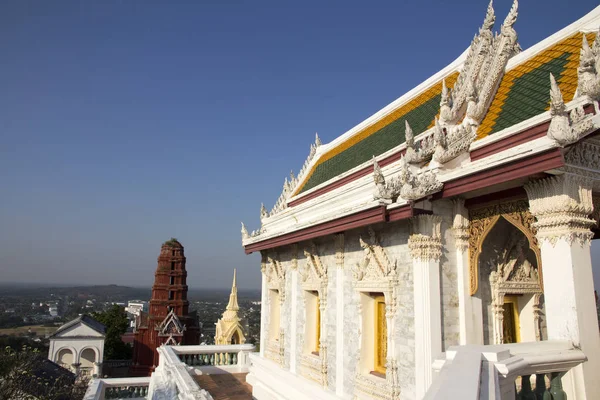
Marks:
<point>347,179</point>
<point>356,220</point>
<point>518,169</point>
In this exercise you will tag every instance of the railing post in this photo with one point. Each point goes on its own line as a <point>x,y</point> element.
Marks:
<point>540,386</point>
<point>556,391</point>
<point>526,393</point>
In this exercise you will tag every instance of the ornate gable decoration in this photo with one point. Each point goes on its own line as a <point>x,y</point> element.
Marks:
<point>462,109</point>
<point>408,185</point>
<point>376,266</point>
<point>275,274</point>
<point>172,328</point>
<point>314,274</point>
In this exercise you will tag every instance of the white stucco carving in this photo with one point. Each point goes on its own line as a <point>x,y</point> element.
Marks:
<point>275,273</point>
<point>566,128</point>
<point>384,191</point>
<point>415,186</point>
<point>376,265</point>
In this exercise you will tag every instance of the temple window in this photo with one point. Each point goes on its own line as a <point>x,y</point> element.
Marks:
<point>312,328</point>
<point>171,295</point>
<point>380,329</point>
<point>374,339</point>
<point>172,266</point>
<point>274,314</point>
<point>172,280</point>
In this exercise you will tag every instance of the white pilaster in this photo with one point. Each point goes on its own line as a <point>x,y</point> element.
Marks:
<point>263,309</point>
<point>339,317</point>
<point>562,206</point>
<point>426,249</point>
<point>471,321</point>
<point>294,317</point>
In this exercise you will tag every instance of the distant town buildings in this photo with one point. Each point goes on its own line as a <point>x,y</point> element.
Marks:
<point>134,309</point>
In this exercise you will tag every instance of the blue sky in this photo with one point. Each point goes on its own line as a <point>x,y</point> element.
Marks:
<point>125,123</point>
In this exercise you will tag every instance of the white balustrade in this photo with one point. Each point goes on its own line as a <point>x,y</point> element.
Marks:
<point>173,378</point>
<point>500,371</point>
<point>117,388</point>
<point>216,358</point>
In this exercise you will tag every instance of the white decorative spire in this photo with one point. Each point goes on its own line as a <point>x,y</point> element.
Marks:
<point>233,302</point>
<point>317,139</point>
<point>263,211</point>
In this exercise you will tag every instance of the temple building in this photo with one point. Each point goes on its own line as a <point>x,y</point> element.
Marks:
<point>78,346</point>
<point>168,320</point>
<point>230,329</point>
<point>460,214</point>
<point>440,249</point>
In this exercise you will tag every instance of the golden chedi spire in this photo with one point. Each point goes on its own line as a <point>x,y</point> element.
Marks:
<point>229,329</point>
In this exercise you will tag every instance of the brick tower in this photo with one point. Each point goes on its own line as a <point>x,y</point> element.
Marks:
<point>168,320</point>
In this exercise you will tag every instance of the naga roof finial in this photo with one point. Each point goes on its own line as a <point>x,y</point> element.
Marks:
<point>317,139</point>
<point>490,18</point>
<point>511,18</point>
<point>377,174</point>
<point>557,104</point>
<point>408,134</point>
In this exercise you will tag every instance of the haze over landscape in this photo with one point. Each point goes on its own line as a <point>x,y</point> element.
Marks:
<point>123,124</point>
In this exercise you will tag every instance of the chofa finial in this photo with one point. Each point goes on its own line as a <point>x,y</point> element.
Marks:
<point>511,18</point>
<point>317,139</point>
<point>557,104</point>
<point>408,134</point>
<point>490,17</point>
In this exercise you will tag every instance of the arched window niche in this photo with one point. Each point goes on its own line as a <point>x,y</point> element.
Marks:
<point>506,277</point>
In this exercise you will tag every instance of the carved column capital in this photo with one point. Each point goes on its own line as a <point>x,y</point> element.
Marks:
<point>562,205</point>
<point>425,242</point>
<point>294,265</point>
<point>263,262</point>
<point>460,225</point>
<point>339,250</point>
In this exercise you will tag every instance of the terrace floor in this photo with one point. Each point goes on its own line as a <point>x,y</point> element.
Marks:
<point>225,386</point>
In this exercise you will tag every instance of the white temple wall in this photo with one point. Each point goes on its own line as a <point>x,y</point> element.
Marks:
<point>393,237</point>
